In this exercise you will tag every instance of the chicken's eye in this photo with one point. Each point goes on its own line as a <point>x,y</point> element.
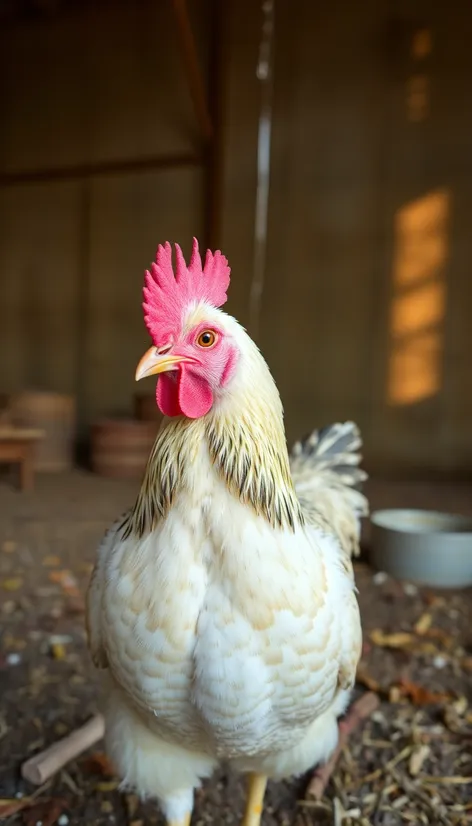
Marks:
<point>206,339</point>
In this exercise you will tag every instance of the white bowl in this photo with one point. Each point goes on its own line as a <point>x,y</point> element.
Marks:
<point>426,547</point>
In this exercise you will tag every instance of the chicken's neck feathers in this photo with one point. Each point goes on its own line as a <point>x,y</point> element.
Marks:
<point>246,444</point>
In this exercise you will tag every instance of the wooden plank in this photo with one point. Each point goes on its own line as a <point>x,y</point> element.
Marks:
<point>19,434</point>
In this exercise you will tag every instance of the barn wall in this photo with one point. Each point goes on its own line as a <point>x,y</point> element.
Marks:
<point>90,85</point>
<point>368,296</point>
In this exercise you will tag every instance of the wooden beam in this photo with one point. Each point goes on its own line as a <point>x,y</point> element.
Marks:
<point>81,171</point>
<point>215,172</point>
<point>192,65</point>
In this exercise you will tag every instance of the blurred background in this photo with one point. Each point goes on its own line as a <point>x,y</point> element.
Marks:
<point>126,124</point>
<point>326,149</point>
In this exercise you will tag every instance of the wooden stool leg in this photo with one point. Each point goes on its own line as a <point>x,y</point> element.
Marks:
<point>27,470</point>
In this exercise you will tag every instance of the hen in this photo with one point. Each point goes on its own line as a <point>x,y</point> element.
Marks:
<point>222,605</point>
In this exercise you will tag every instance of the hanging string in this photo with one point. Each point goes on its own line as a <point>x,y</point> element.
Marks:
<point>265,76</point>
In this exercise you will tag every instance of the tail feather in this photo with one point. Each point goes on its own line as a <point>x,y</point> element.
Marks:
<point>334,448</point>
<point>328,479</point>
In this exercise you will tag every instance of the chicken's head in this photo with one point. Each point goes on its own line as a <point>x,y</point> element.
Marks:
<point>194,350</point>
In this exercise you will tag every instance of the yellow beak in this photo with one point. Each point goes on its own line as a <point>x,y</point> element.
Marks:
<point>152,363</point>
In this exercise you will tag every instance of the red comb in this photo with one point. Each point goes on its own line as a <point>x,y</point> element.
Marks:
<point>166,296</point>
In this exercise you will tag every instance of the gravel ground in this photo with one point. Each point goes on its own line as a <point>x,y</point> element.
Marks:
<point>410,763</point>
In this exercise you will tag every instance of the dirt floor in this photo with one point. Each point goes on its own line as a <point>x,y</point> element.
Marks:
<point>410,763</point>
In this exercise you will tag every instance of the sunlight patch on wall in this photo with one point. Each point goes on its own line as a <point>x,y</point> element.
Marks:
<point>419,299</point>
<point>418,86</point>
<point>420,308</point>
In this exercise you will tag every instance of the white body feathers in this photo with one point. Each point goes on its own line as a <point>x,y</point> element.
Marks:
<point>226,637</point>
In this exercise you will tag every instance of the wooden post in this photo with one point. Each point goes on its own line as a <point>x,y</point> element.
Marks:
<point>192,65</point>
<point>27,467</point>
<point>215,150</point>
<point>82,318</point>
<point>17,447</point>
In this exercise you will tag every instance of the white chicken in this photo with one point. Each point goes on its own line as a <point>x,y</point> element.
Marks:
<point>222,606</point>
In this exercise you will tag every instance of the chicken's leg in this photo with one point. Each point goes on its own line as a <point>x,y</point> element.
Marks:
<point>184,822</point>
<point>255,800</point>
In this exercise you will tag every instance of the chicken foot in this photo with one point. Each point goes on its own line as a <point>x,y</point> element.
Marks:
<point>255,800</point>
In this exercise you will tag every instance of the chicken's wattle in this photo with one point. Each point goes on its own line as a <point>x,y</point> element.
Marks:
<point>184,392</point>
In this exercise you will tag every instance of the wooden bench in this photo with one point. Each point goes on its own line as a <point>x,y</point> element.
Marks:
<point>17,445</point>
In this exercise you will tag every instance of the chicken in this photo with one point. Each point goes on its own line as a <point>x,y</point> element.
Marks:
<point>222,605</point>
